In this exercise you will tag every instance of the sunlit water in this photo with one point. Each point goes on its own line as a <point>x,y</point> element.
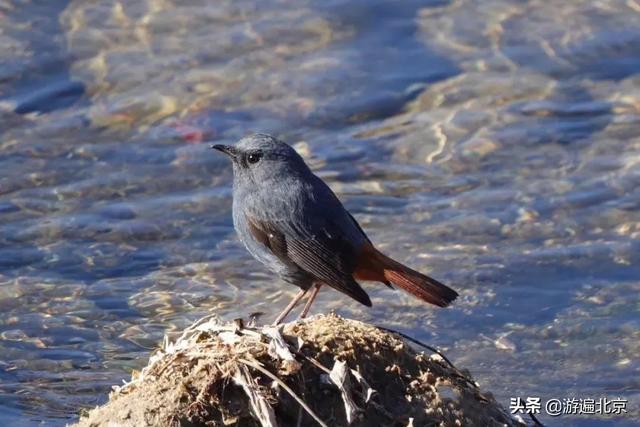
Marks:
<point>494,144</point>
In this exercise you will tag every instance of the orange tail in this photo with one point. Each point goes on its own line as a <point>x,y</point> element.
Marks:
<point>374,265</point>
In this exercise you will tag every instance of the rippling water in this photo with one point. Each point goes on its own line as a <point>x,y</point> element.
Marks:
<point>494,144</point>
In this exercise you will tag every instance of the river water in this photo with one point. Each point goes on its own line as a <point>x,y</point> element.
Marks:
<point>493,144</point>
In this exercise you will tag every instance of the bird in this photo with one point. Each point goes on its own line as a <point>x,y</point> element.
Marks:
<point>292,222</point>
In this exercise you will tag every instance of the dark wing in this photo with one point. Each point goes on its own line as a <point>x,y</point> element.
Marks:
<point>324,254</point>
<point>270,237</point>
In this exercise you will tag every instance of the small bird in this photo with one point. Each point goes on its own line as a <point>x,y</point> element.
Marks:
<point>292,222</point>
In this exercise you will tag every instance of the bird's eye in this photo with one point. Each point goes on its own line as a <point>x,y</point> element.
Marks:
<point>254,158</point>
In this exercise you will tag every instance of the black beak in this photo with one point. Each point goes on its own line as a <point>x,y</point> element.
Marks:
<point>226,149</point>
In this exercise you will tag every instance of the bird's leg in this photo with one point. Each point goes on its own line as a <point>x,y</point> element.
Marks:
<point>312,297</point>
<point>290,307</point>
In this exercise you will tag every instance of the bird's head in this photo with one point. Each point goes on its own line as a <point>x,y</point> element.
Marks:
<point>260,158</point>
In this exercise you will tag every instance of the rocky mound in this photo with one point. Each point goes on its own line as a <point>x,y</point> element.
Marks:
<point>326,371</point>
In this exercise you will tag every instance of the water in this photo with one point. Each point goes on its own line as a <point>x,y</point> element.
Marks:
<point>494,144</point>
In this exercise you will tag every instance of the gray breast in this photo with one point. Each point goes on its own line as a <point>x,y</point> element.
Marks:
<point>255,248</point>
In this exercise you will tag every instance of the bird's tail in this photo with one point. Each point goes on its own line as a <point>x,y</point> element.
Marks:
<point>382,268</point>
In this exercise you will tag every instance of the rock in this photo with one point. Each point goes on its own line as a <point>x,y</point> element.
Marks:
<point>325,370</point>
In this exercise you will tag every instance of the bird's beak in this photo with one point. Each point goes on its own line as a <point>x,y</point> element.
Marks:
<point>226,149</point>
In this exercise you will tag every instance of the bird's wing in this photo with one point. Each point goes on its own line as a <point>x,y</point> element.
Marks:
<point>317,247</point>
